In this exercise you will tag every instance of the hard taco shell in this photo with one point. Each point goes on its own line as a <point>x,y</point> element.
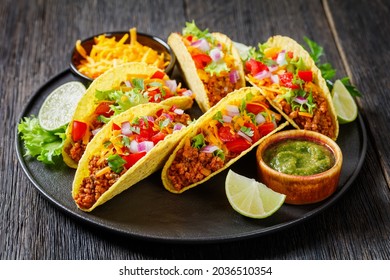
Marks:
<point>189,70</point>
<point>236,95</point>
<point>289,44</point>
<point>144,167</point>
<point>107,81</point>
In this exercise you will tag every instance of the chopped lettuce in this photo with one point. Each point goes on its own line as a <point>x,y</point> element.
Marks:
<point>192,29</point>
<point>44,145</point>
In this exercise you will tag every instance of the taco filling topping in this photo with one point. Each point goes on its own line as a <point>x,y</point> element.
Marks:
<point>231,131</point>
<point>214,62</point>
<point>137,89</point>
<point>127,143</point>
<point>289,83</point>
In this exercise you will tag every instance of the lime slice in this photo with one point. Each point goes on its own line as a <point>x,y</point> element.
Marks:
<point>58,108</point>
<point>344,103</point>
<point>251,198</point>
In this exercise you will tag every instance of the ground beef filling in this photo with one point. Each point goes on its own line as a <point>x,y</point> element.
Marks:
<point>76,151</point>
<point>218,87</point>
<point>321,121</point>
<point>94,186</point>
<point>191,166</point>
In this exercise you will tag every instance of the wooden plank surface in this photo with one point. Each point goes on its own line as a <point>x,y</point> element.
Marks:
<point>38,37</point>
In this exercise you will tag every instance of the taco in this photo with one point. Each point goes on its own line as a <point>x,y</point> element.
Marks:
<point>289,78</point>
<point>210,63</point>
<point>114,92</point>
<point>130,147</point>
<point>220,137</point>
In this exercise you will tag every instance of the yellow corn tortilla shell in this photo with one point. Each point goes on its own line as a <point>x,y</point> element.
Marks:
<point>289,44</point>
<point>144,167</point>
<point>107,81</point>
<point>236,95</point>
<point>188,67</point>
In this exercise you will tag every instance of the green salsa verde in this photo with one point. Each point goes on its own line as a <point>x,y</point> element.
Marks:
<point>299,157</point>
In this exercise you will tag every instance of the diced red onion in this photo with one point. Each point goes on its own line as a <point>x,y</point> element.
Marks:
<point>126,128</point>
<point>178,126</point>
<point>134,147</point>
<point>201,44</point>
<point>216,54</point>
<point>300,100</point>
<point>243,135</point>
<point>232,110</point>
<point>209,149</point>
<point>262,75</point>
<point>219,46</point>
<point>275,79</point>
<point>281,59</point>
<point>259,118</point>
<point>227,119</point>
<point>234,76</point>
<point>168,116</point>
<point>128,83</point>
<point>273,68</point>
<point>145,146</point>
<point>150,118</point>
<point>95,131</point>
<point>188,92</point>
<point>171,84</point>
<point>178,111</point>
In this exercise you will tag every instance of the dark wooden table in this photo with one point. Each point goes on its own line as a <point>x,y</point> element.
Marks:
<point>36,38</point>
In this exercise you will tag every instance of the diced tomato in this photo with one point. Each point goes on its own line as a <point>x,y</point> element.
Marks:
<point>158,75</point>
<point>144,135</point>
<point>104,109</point>
<point>116,127</point>
<point>201,60</point>
<point>307,76</point>
<point>78,130</point>
<point>238,145</point>
<point>286,80</point>
<point>266,128</point>
<point>256,133</point>
<point>225,134</point>
<point>255,108</point>
<point>253,66</point>
<point>290,54</point>
<point>131,159</point>
<point>158,137</point>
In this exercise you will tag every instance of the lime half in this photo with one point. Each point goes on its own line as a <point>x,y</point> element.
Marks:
<point>251,198</point>
<point>344,103</point>
<point>58,108</point>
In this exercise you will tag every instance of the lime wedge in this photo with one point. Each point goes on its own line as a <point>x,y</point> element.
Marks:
<point>344,103</point>
<point>251,198</point>
<point>58,108</point>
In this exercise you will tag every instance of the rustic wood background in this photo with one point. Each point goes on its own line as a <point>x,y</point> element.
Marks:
<point>36,39</point>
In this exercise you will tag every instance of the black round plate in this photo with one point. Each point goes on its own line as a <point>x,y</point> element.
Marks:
<point>202,214</point>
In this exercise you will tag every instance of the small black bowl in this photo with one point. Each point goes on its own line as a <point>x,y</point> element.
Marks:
<point>151,41</point>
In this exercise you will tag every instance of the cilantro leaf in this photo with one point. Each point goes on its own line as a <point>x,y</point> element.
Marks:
<point>116,163</point>
<point>198,141</point>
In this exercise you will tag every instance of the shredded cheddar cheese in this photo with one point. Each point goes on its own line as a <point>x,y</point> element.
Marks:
<point>107,53</point>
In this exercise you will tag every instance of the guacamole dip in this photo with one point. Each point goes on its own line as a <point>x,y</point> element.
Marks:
<point>299,157</point>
